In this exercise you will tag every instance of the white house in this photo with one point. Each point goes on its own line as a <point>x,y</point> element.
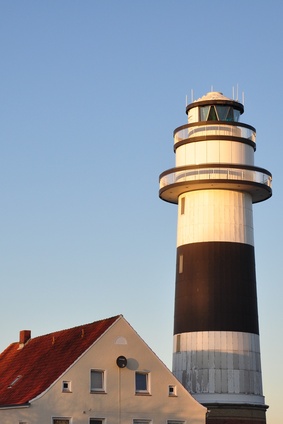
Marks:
<point>98,373</point>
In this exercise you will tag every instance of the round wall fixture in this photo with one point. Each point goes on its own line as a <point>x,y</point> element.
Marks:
<point>121,361</point>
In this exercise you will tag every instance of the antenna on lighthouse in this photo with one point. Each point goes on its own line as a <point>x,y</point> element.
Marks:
<point>192,95</point>
<point>237,92</point>
<point>243,98</point>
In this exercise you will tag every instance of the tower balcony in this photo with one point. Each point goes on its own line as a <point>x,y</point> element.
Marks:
<point>249,179</point>
<point>214,130</point>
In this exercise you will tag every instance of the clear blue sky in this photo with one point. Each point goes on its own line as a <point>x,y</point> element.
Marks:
<point>90,93</point>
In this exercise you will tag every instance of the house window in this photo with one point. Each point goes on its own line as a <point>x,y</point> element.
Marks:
<point>97,381</point>
<point>66,387</point>
<point>172,390</point>
<point>142,382</point>
<point>61,421</point>
<point>96,421</point>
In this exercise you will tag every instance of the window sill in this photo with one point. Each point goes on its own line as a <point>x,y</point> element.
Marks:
<point>143,394</point>
<point>99,392</point>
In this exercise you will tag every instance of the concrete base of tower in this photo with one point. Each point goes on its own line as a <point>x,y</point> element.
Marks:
<point>236,414</point>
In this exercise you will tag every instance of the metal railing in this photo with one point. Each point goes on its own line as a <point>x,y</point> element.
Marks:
<point>206,131</point>
<point>216,173</point>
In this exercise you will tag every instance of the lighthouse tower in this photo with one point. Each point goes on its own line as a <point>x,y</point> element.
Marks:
<point>216,353</point>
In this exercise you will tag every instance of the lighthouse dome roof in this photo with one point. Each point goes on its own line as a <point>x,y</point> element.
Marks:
<point>213,95</point>
<point>215,98</point>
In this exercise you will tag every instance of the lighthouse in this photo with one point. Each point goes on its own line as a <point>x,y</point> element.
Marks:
<point>216,349</point>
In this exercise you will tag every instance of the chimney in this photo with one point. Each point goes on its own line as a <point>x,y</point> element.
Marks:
<point>25,336</point>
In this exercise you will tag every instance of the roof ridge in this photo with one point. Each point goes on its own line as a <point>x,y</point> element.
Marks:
<point>52,333</point>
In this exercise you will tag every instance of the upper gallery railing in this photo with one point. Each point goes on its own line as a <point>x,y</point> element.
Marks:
<point>205,130</point>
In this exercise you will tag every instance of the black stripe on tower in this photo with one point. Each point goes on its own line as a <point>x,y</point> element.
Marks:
<point>216,288</point>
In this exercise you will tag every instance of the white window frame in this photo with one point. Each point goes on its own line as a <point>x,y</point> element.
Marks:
<point>143,391</point>
<point>103,374</point>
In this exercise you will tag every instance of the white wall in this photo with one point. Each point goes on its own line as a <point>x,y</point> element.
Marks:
<point>120,404</point>
<point>214,151</point>
<point>215,215</point>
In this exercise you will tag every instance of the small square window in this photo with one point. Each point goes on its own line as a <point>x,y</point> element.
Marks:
<point>172,390</point>
<point>97,381</point>
<point>61,421</point>
<point>142,382</point>
<point>96,421</point>
<point>66,387</point>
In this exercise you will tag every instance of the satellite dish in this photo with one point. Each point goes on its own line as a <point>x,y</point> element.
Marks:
<point>121,361</point>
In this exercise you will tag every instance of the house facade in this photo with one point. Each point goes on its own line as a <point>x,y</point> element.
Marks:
<point>99,373</point>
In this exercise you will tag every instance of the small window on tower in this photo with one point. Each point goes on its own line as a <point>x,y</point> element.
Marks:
<point>181,264</point>
<point>222,112</point>
<point>230,116</point>
<point>204,112</point>
<point>178,343</point>
<point>212,114</point>
<point>182,205</point>
<point>236,115</point>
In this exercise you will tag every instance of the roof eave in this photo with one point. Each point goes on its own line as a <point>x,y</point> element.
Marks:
<point>15,406</point>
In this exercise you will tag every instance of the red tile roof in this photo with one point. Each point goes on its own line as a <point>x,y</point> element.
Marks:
<point>26,373</point>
